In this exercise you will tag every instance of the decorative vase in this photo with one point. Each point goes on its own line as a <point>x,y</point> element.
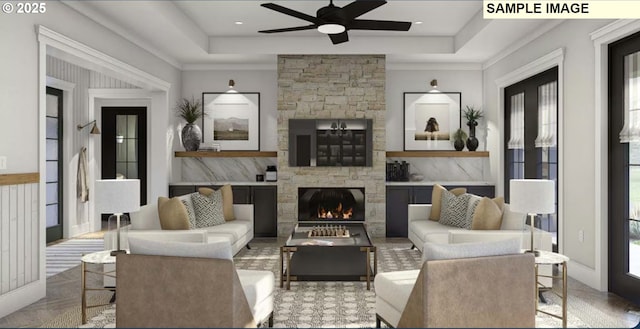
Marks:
<point>472,141</point>
<point>458,144</point>
<point>191,137</point>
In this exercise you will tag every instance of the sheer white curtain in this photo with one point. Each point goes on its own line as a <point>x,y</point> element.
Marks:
<point>547,115</point>
<point>631,129</point>
<point>516,140</point>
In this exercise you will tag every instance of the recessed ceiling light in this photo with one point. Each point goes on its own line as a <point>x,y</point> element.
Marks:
<point>239,23</point>
<point>418,23</point>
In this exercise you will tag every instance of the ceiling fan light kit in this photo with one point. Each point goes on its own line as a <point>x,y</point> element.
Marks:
<point>331,28</point>
<point>336,21</point>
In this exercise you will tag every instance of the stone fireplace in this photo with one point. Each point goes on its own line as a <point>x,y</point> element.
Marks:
<point>328,204</point>
<point>329,87</point>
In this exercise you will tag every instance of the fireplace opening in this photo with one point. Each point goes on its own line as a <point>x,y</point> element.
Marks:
<point>330,204</point>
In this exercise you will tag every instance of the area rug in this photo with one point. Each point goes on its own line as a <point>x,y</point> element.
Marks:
<point>67,254</point>
<point>331,304</point>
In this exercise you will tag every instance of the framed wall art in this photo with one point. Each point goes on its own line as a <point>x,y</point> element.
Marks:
<point>430,118</point>
<point>231,120</point>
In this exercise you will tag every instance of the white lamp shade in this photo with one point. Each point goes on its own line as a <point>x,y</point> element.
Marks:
<point>117,196</point>
<point>532,196</point>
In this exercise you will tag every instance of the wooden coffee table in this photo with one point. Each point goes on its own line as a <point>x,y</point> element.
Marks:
<point>323,258</point>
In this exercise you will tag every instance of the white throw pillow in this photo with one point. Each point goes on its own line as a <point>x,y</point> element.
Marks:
<point>435,251</point>
<point>146,218</point>
<point>221,249</point>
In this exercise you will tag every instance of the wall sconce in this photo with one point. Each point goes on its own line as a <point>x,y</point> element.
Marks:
<point>231,83</point>
<point>119,139</point>
<point>434,84</point>
<point>94,129</point>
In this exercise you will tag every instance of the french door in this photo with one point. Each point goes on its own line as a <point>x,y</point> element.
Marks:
<point>531,116</point>
<point>624,167</point>
<point>54,164</point>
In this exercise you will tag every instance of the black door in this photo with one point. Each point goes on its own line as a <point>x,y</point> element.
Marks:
<point>54,164</point>
<point>624,169</point>
<point>530,144</point>
<point>124,145</point>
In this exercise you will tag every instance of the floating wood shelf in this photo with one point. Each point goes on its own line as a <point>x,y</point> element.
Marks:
<point>436,154</point>
<point>226,154</point>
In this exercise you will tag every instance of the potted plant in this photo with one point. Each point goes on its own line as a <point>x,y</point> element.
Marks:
<point>472,115</point>
<point>459,137</point>
<point>190,111</point>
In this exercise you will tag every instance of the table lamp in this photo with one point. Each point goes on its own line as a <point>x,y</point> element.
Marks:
<point>117,196</point>
<point>532,197</point>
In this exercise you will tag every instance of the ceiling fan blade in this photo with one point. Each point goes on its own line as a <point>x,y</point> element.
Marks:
<point>339,37</point>
<point>366,24</point>
<point>291,12</point>
<point>360,7</point>
<point>289,29</point>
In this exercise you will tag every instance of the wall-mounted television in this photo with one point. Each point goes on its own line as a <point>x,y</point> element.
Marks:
<point>330,142</point>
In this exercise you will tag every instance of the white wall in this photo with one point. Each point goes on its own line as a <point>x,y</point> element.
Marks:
<point>19,100</point>
<point>194,83</point>
<point>577,167</point>
<point>468,82</point>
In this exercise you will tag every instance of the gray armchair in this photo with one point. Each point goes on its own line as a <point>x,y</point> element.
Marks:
<point>204,290</point>
<point>493,288</point>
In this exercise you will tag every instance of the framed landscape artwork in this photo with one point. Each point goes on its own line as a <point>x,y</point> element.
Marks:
<point>430,118</point>
<point>231,120</point>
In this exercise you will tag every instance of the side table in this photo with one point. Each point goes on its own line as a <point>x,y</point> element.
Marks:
<point>98,258</point>
<point>551,258</point>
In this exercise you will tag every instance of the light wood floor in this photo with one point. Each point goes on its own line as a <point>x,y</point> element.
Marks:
<point>63,292</point>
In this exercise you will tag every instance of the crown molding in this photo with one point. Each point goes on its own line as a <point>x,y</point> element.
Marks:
<point>523,42</point>
<point>433,66</point>
<point>86,53</point>
<point>101,19</point>
<point>233,66</point>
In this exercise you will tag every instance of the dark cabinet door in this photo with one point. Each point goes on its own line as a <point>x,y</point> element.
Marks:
<point>241,194</point>
<point>488,191</point>
<point>178,190</point>
<point>422,194</point>
<point>398,199</point>
<point>265,211</point>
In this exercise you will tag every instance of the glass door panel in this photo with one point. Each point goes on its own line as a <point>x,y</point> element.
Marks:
<point>53,146</point>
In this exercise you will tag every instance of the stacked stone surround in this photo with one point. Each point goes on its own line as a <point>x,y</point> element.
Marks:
<point>331,86</point>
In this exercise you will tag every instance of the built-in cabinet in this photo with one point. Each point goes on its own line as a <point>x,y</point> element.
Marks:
<point>263,198</point>
<point>399,198</point>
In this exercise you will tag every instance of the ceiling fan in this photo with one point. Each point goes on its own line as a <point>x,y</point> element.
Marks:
<point>336,21</point>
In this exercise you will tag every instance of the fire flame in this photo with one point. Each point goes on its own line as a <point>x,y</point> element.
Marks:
<point>337,213</point>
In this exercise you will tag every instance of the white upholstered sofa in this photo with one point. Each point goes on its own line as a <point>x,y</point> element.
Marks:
<point>422,230</point>
<point>145,224</point>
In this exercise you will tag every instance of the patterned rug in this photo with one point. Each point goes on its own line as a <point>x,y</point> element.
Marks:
<point>65,255</point>
<point>332,304</point>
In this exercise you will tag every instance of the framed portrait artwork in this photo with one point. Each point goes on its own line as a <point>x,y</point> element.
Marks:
<point>430,118</point>
<point>231,120</point>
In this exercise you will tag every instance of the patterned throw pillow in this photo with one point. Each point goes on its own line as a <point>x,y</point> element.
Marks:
<point>227,200</point>
<point>208,209</point>
<point>454,209</point>
<point>191,213</point>
<point>436,199</point>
